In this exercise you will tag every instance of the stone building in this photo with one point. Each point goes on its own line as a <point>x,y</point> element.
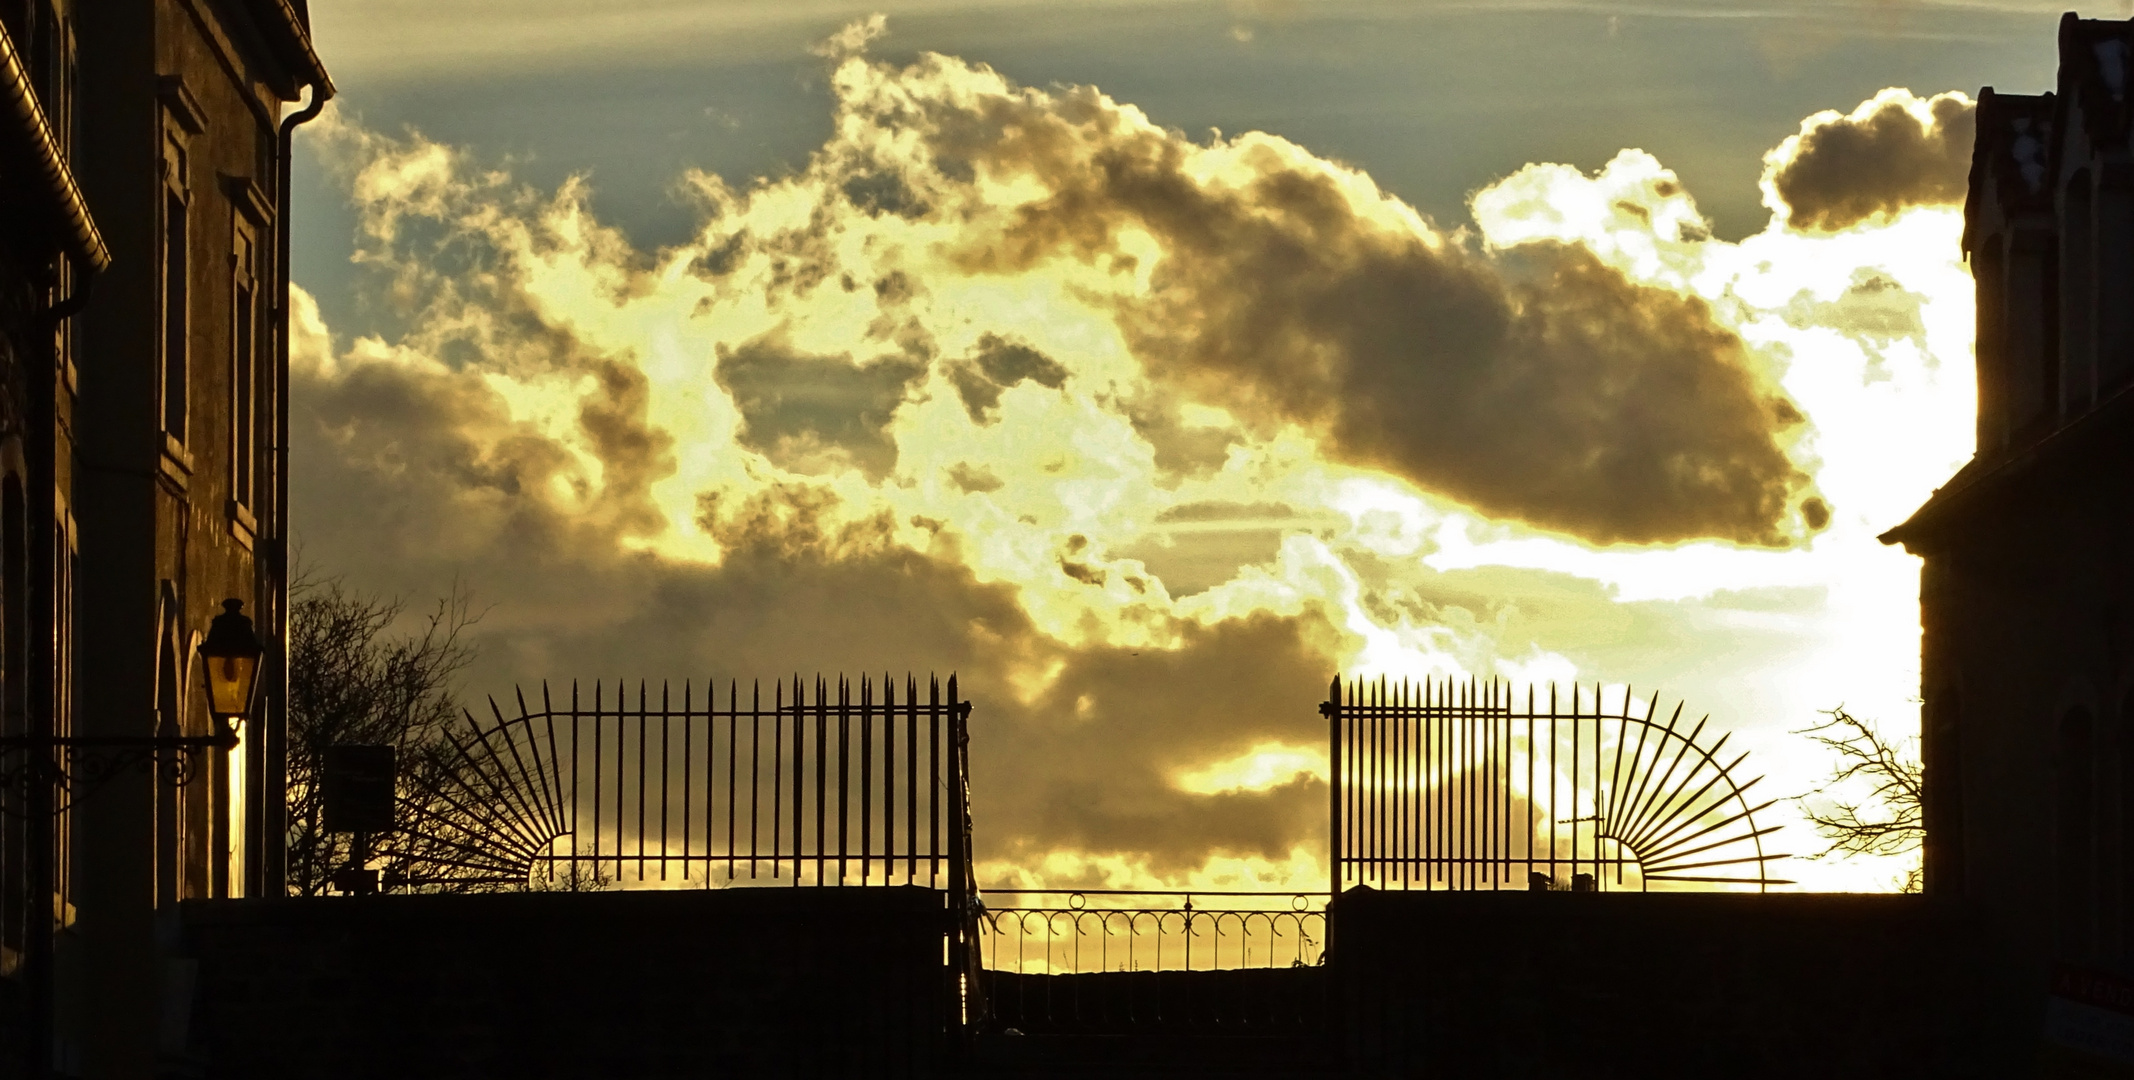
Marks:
<point>50,253</point>
<point>144,478</point>
<point>2027,595</point>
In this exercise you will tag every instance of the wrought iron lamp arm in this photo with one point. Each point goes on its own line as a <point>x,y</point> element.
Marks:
<point>87,762</point>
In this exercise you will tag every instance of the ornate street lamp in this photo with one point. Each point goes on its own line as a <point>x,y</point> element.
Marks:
<point>229,657</point>
<point>230,661</point>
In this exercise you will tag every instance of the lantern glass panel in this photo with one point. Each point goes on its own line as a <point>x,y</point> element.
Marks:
<point>229,684</point>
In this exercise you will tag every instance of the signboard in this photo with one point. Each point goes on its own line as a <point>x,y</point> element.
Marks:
<point>2092,1013</point>
<point>357,789</point>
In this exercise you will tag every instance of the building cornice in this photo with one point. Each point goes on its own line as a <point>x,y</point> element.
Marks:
<point>23,123</point>
<point>1981,482</point>
<point>289,34</point>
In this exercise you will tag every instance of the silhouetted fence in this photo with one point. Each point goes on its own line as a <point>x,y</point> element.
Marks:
<point>1235,969</point>
<point>1456,785</point>
<point>853,784</point>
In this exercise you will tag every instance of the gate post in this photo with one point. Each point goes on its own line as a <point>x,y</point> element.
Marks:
<point>1331,709</point>
<point>962,879</point>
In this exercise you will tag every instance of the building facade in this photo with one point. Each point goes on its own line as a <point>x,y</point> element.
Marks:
<point>2027,593</point>
<point>50,254</point>
<point>141,445</point>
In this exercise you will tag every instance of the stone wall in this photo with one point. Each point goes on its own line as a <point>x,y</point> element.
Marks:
<point>742,982</point>
<point>1477,985</point>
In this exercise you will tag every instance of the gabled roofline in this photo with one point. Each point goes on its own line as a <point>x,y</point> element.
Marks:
<point>1977,481</point>
<point>289,34</point>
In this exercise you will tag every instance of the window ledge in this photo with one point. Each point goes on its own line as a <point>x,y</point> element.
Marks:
<point>176,464</point>
<point>243,525</point>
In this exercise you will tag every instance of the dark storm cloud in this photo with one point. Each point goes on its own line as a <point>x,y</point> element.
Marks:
<point>1542,385</point>
<point>995,365</point>
<point>417,476</point>
<point>1843,170</point>
<point>633,453</point>
<point>814,414</point>
<point>1182,451</point>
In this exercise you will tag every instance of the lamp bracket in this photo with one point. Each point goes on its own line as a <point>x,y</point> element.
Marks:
<point>84,763</point>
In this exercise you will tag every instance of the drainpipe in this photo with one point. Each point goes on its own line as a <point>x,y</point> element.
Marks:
<point>272,875</point>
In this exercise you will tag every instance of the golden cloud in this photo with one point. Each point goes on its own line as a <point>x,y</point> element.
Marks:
<point>1145,437</point>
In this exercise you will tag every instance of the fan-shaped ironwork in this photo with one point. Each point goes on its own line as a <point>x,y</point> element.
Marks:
<point>854,783</point>
<point>1444,784</point>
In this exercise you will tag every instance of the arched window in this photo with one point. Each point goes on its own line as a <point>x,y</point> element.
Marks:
<point>2074,835</point>
<point>172,801</point>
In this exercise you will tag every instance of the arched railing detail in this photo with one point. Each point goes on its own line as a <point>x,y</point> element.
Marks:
<point>1449,784</point>
<point>855,781</point>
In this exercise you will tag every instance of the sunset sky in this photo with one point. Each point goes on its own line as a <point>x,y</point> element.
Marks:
<point>1149,363</point>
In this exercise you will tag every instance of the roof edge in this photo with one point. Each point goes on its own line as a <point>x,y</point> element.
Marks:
<point>19,108</point>
<point>292,34</point>
<point>1972,479</point>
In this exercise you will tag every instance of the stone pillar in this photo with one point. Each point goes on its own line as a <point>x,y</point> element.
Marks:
<point>2030,364</point>
<point>2114,250</point>
<point>1988,274</point>
<point>2078,296</point>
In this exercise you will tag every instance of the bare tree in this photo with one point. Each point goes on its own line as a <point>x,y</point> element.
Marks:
<point>1872,803</point>
<point>351,680</point>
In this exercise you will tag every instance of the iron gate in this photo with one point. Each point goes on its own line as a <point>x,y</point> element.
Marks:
<point>853,784</point>
<point>1446,784</point>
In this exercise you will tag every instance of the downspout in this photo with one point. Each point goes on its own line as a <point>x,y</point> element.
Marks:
<point>272,875</point>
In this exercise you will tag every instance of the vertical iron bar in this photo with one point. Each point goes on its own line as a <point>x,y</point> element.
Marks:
<point>960,871</point>
<point>1465,717</point>
<point>822,778</point>
<point>844,772</point>
<point>1380,745</point>
<point>1333,788</point>
<point>755,761</point>
<point>1552,784</point>
<point>800,775</point>
<point>666,736</point>
<point>1486,725</point>
<point>1577,733</point>
<point>1486,762</point>
<point>889,778</point>
<point>1615,783</point>
<point>621,705</point>
<point>597,770</point>
<point>1352,730</point>
<point>1441,720</point>
<point>866,776</point>
<point>577,765</point>
<point>911,778</point>
<point>777,780</point>
<point>1504,746</point>
<point>688,731</point>
<point>933,792</point>
<point>1396,797</point>
<point>1439,717</point>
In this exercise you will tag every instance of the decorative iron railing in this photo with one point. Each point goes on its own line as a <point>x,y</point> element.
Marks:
<point>1442,784</point>
<point>853,784</point>
<point>1210,961</point>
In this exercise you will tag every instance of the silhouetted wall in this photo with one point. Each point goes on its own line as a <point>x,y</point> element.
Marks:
<point>742,982</point>
<point>1477,985</point>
